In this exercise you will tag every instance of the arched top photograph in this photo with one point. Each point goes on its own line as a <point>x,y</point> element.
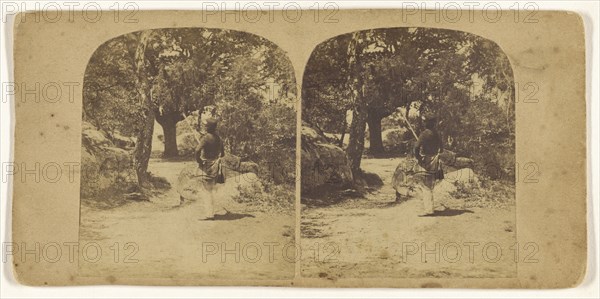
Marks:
<point>414,127</point>
<point>184,128</point>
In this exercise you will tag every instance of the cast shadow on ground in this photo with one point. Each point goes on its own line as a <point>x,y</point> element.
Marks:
<point>232,216</point>
<point>448,212</point>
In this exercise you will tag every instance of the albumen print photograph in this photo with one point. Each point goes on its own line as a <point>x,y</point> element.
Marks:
<point>188,155</point>
<point>343,148</point>
<point>408,156</point>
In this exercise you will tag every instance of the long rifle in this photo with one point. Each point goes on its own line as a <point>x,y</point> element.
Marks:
<point>413,132</point>
<point>191,127</point>
<point>409,126</point>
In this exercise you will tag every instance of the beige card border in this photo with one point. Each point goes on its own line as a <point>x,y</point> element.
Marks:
<point>551,133</point>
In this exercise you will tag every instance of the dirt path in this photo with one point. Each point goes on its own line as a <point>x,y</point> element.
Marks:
<point>159,238</point>
<point>375,237</point>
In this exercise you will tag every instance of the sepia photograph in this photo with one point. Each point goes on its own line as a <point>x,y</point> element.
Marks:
<point>408,156</point>
<point>303,147</point>
<point>188,154</point>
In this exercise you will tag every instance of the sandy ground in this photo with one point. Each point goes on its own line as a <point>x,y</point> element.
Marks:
<point>161,239</point>
<point>375,237</point>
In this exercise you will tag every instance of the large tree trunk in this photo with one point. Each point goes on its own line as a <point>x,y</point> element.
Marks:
<point>356,143</point>
<point>143,145</point>
<point>168,122</point>
<point>376,143</point>
<point>143,148</point>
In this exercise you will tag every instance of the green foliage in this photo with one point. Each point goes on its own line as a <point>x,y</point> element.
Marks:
<point>325,98</point>
<point>488,194</point>
<point>464,79</point>
<point>261,133</point>
<point>109,94</point>
<point>269,197</point>
<point>249,79</point>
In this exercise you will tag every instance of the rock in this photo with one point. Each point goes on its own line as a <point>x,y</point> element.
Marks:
<point>231,161</point>
<point>238,174</point>
<point>87,126</point>
<point>235,163</point>
<point>189,124</point>
<point>462,162</point>
<point>194,123</point>
<point>104,167</point>
<point>187,135</point>
<point>124,142</point>
<point>334,138</point>
<point>323,164</point>
<point>310,135</point>
<point>190,186</point>
<point>351,193</point>
<point>187,143</point>
<point>398,140</point>
<point>448,157</point>
<point>443,190</point>
<point>402,171</point>
<point>136,196</point>
<point>391,137</point>
<point>90,184</point>
<point>406,178</point>
<point>94,137</point>
<point>463,175</point>
<point>408,181</point>
<point>114,159</point>
<point>242,181</point>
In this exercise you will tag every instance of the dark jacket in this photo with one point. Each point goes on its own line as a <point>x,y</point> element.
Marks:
<point>426,150</point>
<point>209,149</point>
<point>429,143</point>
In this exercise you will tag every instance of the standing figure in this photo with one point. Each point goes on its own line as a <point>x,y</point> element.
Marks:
<point>427,150</point>
<point>208,155</point>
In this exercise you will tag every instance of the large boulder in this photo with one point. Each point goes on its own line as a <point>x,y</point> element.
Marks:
<point>407,177</point>
<point>188,124</point>
<point>312,136</point>
<point>323,164</point>
<point>465,176</point>
<point>104,167</point>
<point>92,137</point>
<point>409,180</point>
<point>462,162</point>
<point>124,142</point>
<point>235,163</point>
<point>190,184</point>
<point>450,158</point>
<point>187,143</point>
<point>397,139</point>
